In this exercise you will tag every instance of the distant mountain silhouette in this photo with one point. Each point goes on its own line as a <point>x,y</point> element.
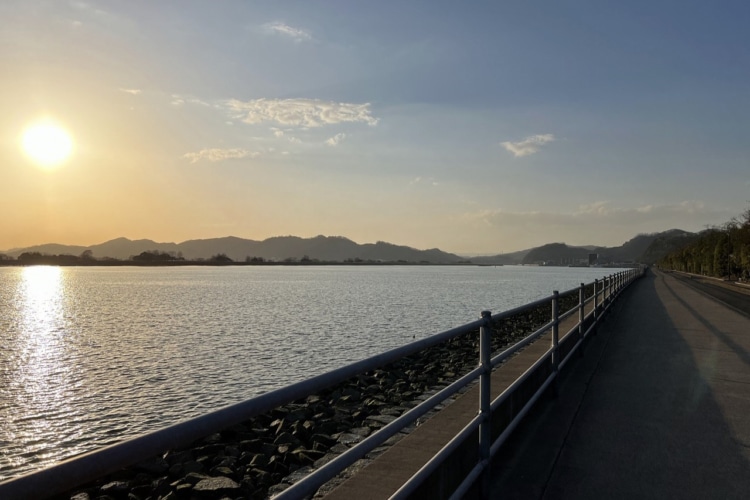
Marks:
<point>123,248</point>
<point>643,248</point>
<point>323,248</point>
<point>507,259</point>
<point>647,248</point>
<point>556,253</point>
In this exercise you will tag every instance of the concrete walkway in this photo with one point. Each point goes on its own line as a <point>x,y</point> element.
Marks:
<point>658,408</point>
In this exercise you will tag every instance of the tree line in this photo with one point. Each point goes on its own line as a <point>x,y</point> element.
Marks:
<point>159,258</point>
<point>154,257</point>
<point>721,252</point>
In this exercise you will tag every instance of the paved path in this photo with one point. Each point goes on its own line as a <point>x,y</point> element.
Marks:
<point>658,408</point>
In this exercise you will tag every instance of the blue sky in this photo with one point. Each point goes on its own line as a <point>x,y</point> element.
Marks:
<point>475,127</point>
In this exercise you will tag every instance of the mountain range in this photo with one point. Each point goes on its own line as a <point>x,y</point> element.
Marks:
<point>643,248</point>
<point>323,248</point>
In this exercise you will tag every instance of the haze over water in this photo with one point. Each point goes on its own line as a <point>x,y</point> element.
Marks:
<point>94,355</point>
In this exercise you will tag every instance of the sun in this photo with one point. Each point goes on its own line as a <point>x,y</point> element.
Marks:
<point>47,144</point>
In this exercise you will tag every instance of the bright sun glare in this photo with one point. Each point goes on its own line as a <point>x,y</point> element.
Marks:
<point>47,144</point>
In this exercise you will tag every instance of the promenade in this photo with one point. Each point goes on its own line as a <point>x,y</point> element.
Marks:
<point>658,407</point>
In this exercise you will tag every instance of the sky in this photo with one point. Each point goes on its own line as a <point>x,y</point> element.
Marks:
<point>473,127</point>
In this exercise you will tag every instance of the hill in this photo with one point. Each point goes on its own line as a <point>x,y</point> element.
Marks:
<point>557,254</point>
<point>323,248</point>
<point>504,259</point>
<point>666,243</point>
<point>643,248</point>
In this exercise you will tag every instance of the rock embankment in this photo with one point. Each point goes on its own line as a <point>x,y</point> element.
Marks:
<point>265,454</point>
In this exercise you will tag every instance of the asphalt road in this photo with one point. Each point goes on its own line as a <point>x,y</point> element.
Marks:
<point>657,408</point>
<point>730,295</point>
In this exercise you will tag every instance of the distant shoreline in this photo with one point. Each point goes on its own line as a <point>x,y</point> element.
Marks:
<point>122,263</point>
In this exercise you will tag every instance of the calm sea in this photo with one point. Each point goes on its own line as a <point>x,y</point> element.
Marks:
<point>94,355</point>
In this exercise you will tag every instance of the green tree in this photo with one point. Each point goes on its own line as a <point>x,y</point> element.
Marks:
<point>220,258</point>
<point>722,250</point>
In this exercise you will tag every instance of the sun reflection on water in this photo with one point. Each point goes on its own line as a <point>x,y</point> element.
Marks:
<point>36,368</point>
<point>42,321</point>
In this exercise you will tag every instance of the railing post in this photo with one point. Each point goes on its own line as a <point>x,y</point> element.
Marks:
<point>485,426</point>
<point>555,331</point>
<point>596,302</point>
<point>581,313</point>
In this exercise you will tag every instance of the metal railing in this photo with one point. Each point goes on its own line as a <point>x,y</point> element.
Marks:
<point>88,467</point>
<point>604,294</point>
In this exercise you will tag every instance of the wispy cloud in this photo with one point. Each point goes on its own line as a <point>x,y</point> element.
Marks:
<point>421,180</point>
<point>300,112</point>
<point>179,100</point>
<point>295,34</point>
<point>87,7</point>
<point>131,91</point>
<point>527,146</point>
<point>216,154</point>
<point>336,139</point>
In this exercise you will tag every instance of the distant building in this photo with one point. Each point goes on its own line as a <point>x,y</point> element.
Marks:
<point>593,259</point>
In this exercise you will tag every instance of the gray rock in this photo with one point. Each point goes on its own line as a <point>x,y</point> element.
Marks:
<point>277,488</point>
<point>381,419</point>
<point>299,474</point>
<point>115,487</point>
<point>361,431</point>
<point>183,490</point>
<point>216,485</point>
<point>194,478</point>
<point>193,467</point>
<point>213,438</point>
<point>156,466</point>
<point>349,438</point>
<point>286,438</point>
